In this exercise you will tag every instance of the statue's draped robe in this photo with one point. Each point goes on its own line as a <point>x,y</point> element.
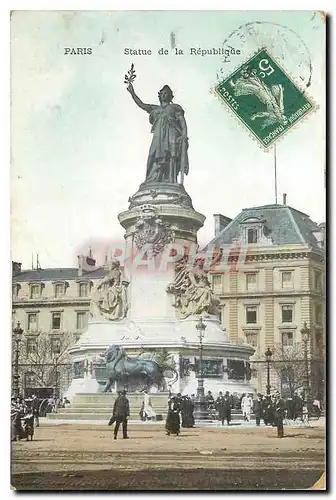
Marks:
<point>168,152</point>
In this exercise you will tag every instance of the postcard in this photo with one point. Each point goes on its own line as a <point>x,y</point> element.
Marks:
<point>168,250</point>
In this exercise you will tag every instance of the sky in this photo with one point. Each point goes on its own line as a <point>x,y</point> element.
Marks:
<point>79,144</point>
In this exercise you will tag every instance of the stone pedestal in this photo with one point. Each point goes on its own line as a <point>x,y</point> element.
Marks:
<point>159,223</point>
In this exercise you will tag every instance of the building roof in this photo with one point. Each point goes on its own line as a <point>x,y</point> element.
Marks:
<point>283,224</point>
<point>57,274</point>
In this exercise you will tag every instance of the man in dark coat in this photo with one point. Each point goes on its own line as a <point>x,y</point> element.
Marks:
<point>187,412</point>
<point>267,410</point>
<point>258,409</point>
<point>121,412</point>
<point>173,418</point>
<point>220,406</point>
<point>279,414</point>
<point>223,406</point>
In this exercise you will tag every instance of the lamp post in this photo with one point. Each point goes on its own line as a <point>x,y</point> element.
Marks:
<point>268,355</point>
<point>305,333</point>
<point>17,339</point>
<point>55,388</point>
<point>200,409</point>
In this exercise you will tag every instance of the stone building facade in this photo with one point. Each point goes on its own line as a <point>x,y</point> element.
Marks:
<point>270,281</point>
<point>52,306</point>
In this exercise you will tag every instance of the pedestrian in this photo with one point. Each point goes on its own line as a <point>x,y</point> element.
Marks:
<point>147,411</point>
<point>298,406</point>
<point>173,416</point>
<point>187,412</point>
<point>279,414</point>
<point>121,412</point>
<point>35,406</point>
<point>317,407</point>
<point>247,407</point>
<point>227,407</point>
<point>290,408</point>
<point>141,412</point>
<point>223,406</point>
<point>210,401</point>
<point>258,408</point>
<point>220,407</point>
<point>266,410</point>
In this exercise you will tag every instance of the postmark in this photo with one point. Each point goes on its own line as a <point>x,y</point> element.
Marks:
<point>264,98</point>
<point>286,46</point>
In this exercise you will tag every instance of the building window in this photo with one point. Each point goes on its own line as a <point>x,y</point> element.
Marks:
<point>318,314</point>
<point>318,281</point>
<point>15,290</point>
<point>251,315</point>
<point>32,322</point>
<point>35,291</point>
<point>252,339</point>
<point>59,290</point>
<point>287,339</point>
<point>251,281</point>
<point>31,346</point>
<point>81,321</point>
<point>55,345</point>
<point>287,314</point>
<point>286,279</point>
<point>83,289</point>
<point>56,321</point>
<point>252,235</point>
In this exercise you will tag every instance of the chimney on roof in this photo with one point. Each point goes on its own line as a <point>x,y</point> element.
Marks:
<point>221,221</point>
<point>284,202</point>
<point>86,264</point>
<point>16,268</point>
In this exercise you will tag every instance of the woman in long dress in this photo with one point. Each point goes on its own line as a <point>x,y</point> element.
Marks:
<point>173,416</point>
<point>148,412</point>
<point>168,152</point>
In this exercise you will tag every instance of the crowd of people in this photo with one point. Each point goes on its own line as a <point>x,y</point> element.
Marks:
<point>272,409</point>
<point>24,414</point>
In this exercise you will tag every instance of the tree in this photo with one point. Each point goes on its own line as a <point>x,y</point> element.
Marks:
<point>289,364</point>
<point>43,355</point>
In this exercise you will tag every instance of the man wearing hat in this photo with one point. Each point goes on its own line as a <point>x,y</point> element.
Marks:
<point>121,412</point>
<point>279,414</point>
<point>258,409</point>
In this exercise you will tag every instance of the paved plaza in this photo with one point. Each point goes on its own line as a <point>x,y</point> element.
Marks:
<point>84,456</point>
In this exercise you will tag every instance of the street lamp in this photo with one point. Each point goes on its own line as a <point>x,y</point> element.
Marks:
<point>305,333</point>
<point>200,410</point>
<point>55,381</point>
<point>17,339</point>
<point>268,355</point>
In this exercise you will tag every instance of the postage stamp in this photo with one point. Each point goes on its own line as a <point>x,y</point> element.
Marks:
<point>264,98</point>
<point>167,274</point>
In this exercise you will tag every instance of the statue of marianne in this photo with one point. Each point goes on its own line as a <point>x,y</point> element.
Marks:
<point>168,153</point>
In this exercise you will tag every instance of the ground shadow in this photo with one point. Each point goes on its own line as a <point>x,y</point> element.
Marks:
<point>292,435</point>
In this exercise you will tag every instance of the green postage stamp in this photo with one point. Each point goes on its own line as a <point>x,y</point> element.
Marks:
<point>264,98</point>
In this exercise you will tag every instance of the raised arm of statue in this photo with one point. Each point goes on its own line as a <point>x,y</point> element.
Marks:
<point>138,101</point>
